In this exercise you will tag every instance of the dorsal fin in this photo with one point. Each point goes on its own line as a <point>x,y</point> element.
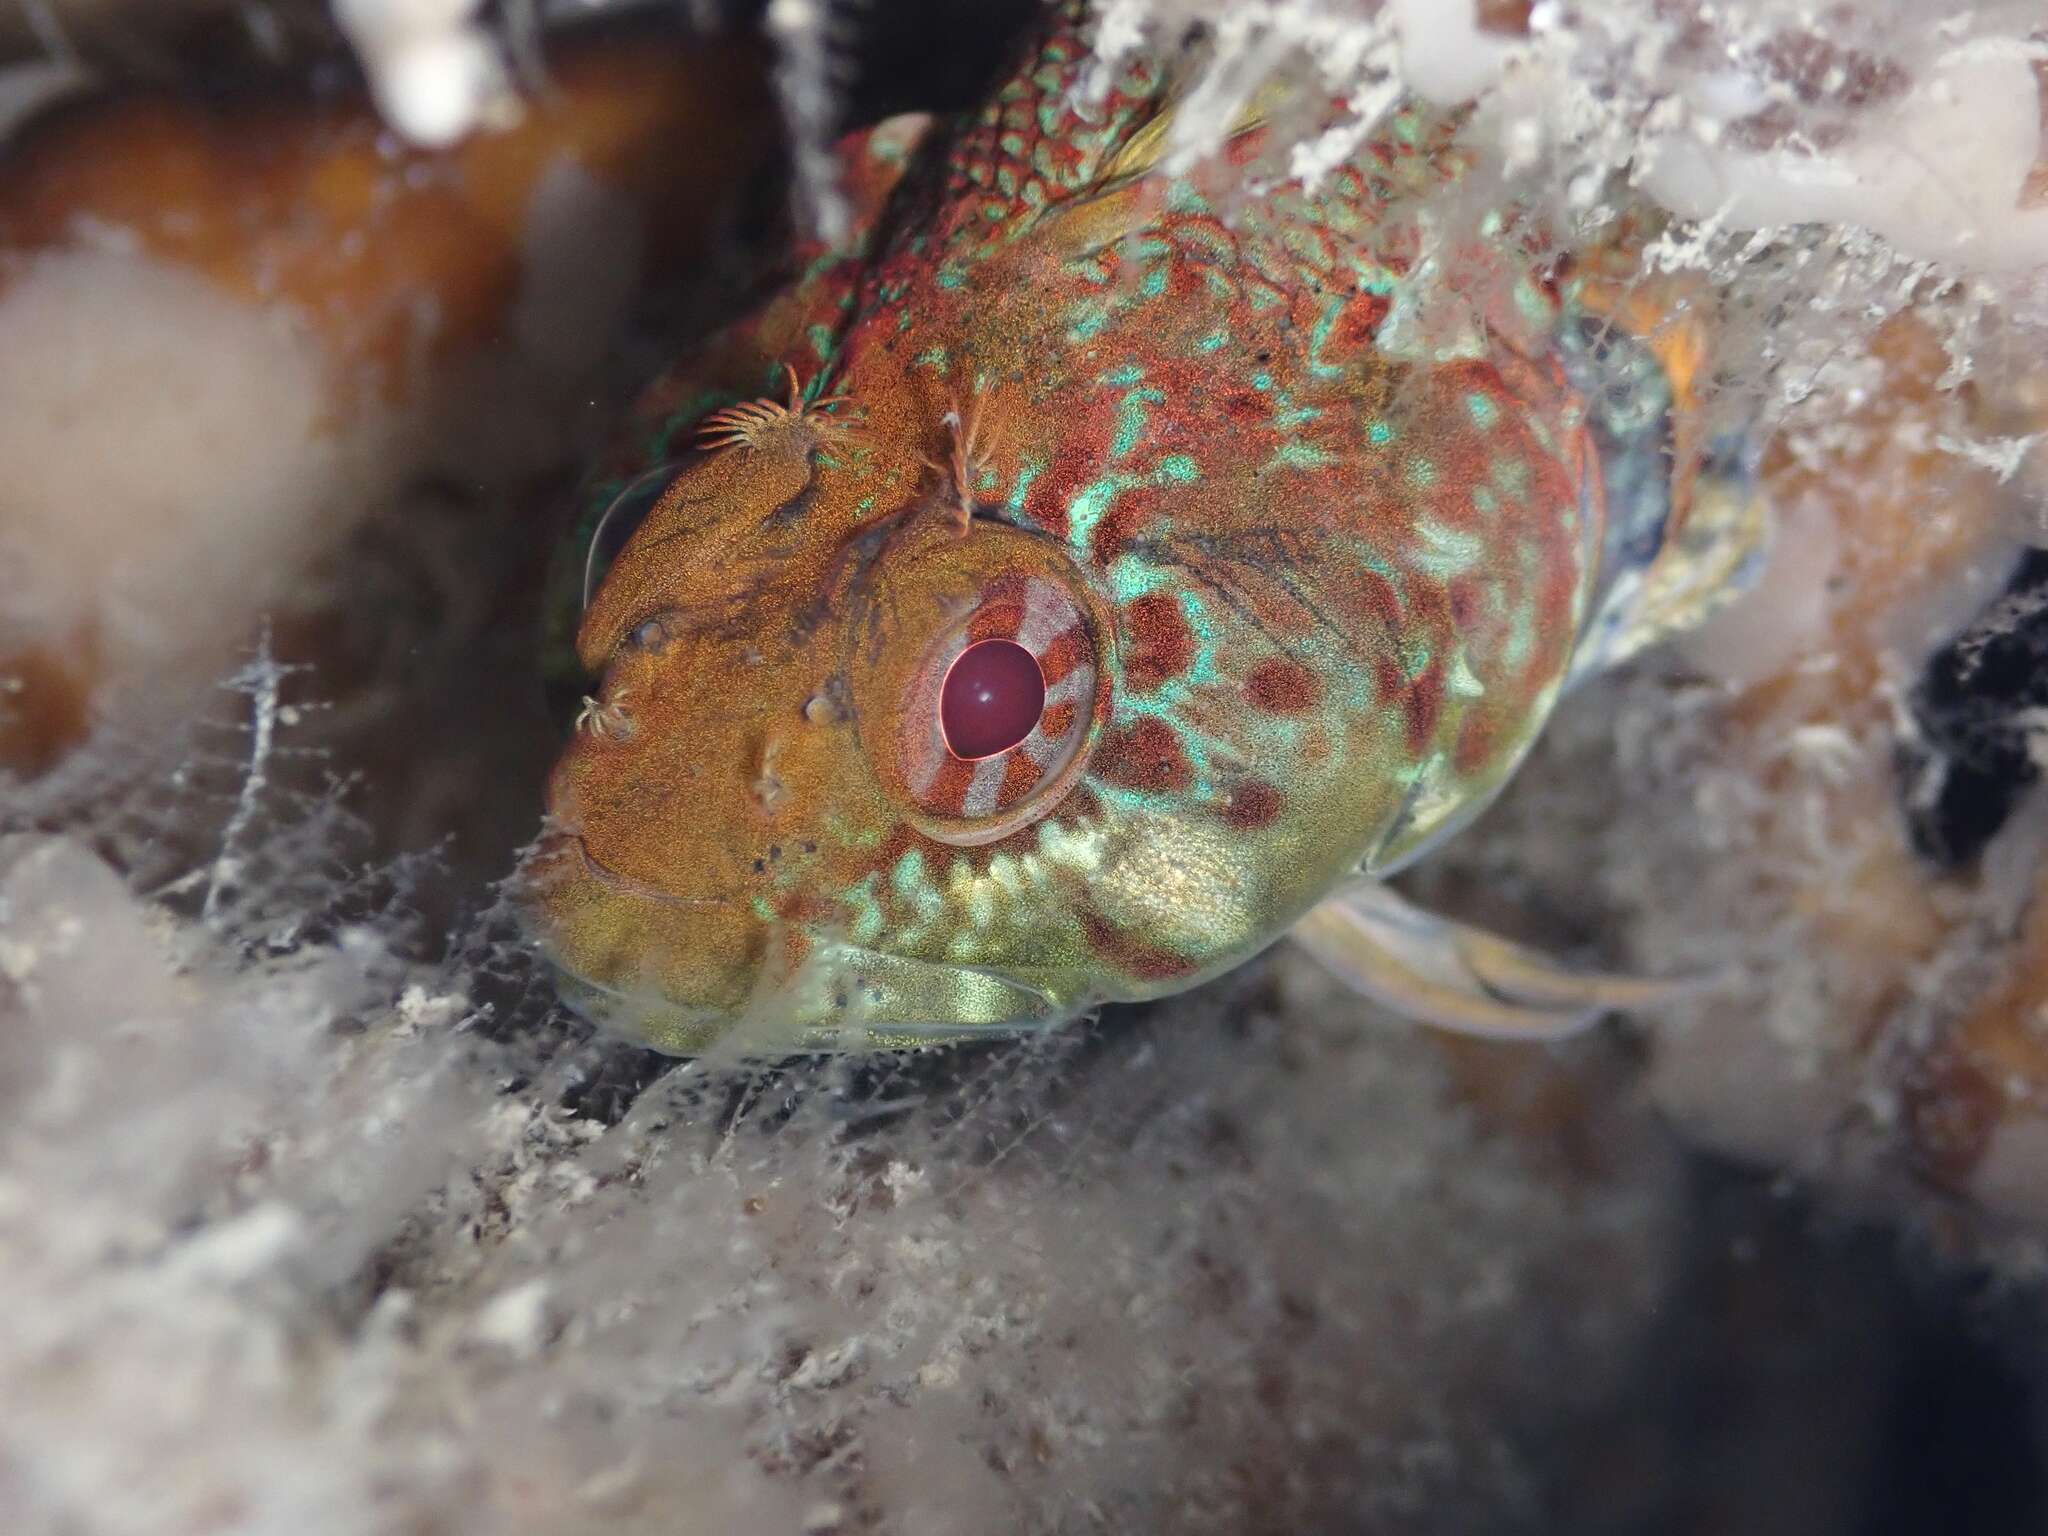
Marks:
<point>1143,151</point>
<point>1123,201</point>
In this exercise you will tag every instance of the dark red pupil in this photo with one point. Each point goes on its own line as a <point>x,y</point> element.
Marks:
<point>991,699</point>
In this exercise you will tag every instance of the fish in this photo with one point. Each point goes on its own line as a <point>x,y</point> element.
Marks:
<point>1093,568</point>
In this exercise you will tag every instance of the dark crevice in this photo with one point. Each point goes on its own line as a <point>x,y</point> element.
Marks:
<point>1969,768</point>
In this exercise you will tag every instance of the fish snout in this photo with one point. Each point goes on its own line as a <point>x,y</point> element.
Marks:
<point>685,876</point>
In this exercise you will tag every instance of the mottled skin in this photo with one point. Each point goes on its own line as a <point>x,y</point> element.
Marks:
<point>1303,520</point>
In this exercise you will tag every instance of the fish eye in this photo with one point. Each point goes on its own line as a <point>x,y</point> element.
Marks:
<point>992,699</point>
<point>621,520</point>
<point>981,701</point>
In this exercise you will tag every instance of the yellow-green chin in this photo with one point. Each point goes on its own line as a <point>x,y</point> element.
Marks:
<point>842,998</point>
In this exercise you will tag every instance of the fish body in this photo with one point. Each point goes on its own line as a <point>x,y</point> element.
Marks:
<point>1300,510</point>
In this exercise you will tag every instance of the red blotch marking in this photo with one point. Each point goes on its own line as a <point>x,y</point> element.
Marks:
<point>1065,158</point>
<point>1183,279</point>
<point>1370,598</point>
<point>1464,597</point>
<point>795,947</point>
<point>1424,703</point>
<point>901,839</point>
<point>1387,681</point>
<point>1058,719</point>
<point>804,909</point>
<point>1282,687</point>
<point>1047,509</point>
<point>1245,405</point>
<point>1246,148</point>
<point>1087,428</point>
<point>1129,517</point>
<point>801,913</point>
<point>997,620</point>
<point>1477,734</point>
<point>1358,323</point>
<point>1020,777</point>
<point>1063,652</point>
<point>978,858</point>
<point>1398,248</point>
<point>1147,756</point>
<point>1080,807</point>
<point>948,791</point>
<point>1253,804</point>
<point>1162,643</point>
<point>1132,956</point>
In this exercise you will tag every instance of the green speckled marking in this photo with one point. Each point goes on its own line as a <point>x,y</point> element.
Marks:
<point>1130,421</point>
<point>1296,454</point>
<point>867,919</point>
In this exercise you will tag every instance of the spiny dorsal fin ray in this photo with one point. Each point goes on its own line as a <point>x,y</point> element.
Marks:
<point>1144,150</point>
<point>1123,200</point>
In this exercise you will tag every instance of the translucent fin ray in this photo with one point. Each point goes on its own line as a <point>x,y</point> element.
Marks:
<point>1462,978</point>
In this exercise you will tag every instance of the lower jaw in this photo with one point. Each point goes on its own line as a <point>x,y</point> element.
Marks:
<point>844,999</point>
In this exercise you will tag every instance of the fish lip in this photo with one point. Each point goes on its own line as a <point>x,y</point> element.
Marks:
<point>626,885</point>
<point>620,1013</point>
<point>700,1030</point>
<point>716,1033</point>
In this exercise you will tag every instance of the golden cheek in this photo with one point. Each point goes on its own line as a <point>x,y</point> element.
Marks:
<point>1182,882</point>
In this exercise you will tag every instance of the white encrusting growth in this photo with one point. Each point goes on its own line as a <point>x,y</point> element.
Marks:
<point>1936,156</point>
<point>155,518</point>
<point>435,70</point>
<point>1939,170</point>
<point>322,1276</point>
<point>1445,55</point>
<point>802,30</point>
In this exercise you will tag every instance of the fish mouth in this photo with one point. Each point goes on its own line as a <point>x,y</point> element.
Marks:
<point>626,885</point>
<point>839,997</point>
<point>843,998</point>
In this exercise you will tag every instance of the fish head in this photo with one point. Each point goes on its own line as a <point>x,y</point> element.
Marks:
<point>811,803</point>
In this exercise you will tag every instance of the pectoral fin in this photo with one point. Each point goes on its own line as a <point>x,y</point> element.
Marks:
<point>1461,978</point>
